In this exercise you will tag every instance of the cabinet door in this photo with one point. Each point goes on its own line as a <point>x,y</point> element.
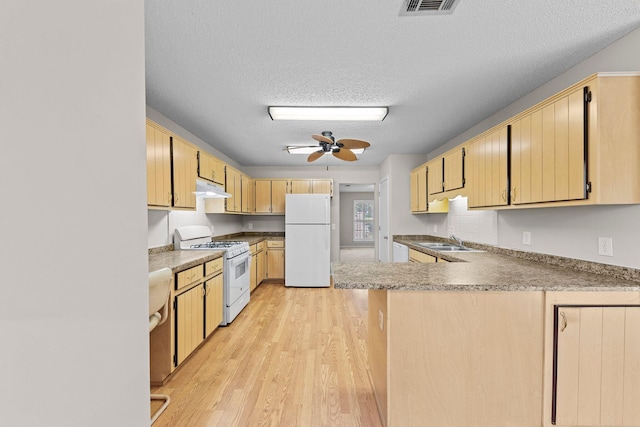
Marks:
<point>253,274</point>
<point>278,191</point>
<point>213,304</point>
<point>548,152</point>
<point>487,163</point>
<point>597,356</point>
<point>275,263</point>
<point>262,266</point>
<point>234,187</point>
<point>158,167</point>
<point>454,170</point>
<point>247,191</point>
<point>414,191</point>
<point>417,256</point>
<point>210,168</point>
<point>301,186</point>
<point>185,171</point>
<point>436,177</point>
<point>322,186</point>
<point>189,318</point>
<point>262,194</point>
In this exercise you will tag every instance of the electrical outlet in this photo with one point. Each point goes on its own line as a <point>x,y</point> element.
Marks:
<point>605,246</point>
<point>250,226</point>
<point>526,237</point>
<point>435,228</point>
<point>381,320</point>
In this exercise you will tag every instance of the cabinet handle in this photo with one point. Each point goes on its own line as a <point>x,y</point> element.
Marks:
<point>504,195</point>
<point>169,197</point>
<point>175,197</point>
<point>564,322</point>
<point>513,191</point>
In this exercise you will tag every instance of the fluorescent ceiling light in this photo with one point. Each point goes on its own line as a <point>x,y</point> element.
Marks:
<point>308,150</point>
<point>328,113</point>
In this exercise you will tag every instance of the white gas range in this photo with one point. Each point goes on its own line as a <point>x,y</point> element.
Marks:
<point>237,260</point>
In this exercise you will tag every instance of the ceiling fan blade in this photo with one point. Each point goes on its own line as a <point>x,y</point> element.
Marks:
<point>315,156</point>
<point>345,154</point>
<point>353,143</point>
<point>322,138</point>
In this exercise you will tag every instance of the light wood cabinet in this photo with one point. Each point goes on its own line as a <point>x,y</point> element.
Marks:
<point>592,359</point>
<point>213,303</point>
<point>275,259</point>
<point>435,169</point>
<point>487,163</point>
<point>549,151</point>
<point>270,195</point>
<point>210,168</point>
<point>454,170</point>
<point>189,312</point>
<point>159,192</point>
<point>185,171</point>
<point>417,256</point>
<point>233,186</point>
<point>262,263</point>
<point>247,194</point>
<point>196,310</point>
<point>419,189</point>
<point>311,186</point>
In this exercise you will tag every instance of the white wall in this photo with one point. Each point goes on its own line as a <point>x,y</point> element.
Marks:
<point>73,310</point>
<point>571,232</point>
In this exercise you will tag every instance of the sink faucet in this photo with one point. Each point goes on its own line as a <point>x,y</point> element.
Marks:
<point>456,239</point>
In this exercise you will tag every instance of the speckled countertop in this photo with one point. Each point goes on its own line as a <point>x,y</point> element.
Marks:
<point>177,261</point>
<point>493,270</point>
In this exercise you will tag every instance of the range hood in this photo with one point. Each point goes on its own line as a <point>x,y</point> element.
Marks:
<point>209,190</point>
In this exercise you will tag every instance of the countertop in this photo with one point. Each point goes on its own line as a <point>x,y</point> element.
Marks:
<point>181,260</point>
<point>485,271</point>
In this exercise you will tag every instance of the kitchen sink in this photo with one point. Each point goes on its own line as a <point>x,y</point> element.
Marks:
<point>447,247</point>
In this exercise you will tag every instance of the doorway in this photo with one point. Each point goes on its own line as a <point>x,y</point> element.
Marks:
<point>357,222</point>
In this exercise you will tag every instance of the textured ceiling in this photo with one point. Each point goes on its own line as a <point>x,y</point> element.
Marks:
<point>213,67</point>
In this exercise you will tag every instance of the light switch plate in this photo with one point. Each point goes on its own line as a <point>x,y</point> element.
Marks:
<point>435,228</point>
<point>526,237</point>
<point>250,226</point>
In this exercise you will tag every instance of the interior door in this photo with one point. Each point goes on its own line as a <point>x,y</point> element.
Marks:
<point>383,225</point>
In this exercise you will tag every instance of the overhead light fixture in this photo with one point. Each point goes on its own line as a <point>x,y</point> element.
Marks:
<point>308,150</point>
<point>328,113</point>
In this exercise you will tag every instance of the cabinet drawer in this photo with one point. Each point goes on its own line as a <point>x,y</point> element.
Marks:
<point>275,243</point>
<point>213,266</point>
<point>187,277</point>
<point>253,249</point>
<point>260,246</point>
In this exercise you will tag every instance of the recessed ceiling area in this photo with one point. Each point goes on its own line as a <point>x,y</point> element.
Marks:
<point>214,67</point>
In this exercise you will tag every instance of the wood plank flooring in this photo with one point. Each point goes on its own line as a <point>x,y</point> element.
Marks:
<point>293,357</point>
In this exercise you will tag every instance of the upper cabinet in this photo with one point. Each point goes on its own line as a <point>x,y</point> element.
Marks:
<point>487,166</point>
<point>311,186</point>
<point>247,194</point>
<point>172,167</point>
<point>185,171</point>
<point>578,147</point>
<point>159,192</point>
<point>270,195</point>
<point>419,189</point>
<point>210,168</point>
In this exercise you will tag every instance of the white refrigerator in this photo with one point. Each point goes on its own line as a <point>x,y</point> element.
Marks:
<point>307,240</point>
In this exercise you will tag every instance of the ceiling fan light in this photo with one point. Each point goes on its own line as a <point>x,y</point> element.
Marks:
<point>329,113</point>
<point>309,150</point>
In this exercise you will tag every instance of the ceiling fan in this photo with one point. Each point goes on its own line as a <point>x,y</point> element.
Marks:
<point>340,148</point>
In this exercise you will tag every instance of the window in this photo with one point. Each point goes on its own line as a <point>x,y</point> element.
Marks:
<point>362,220</point>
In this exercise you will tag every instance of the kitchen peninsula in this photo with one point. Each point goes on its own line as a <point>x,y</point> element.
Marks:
<point>500,338</point>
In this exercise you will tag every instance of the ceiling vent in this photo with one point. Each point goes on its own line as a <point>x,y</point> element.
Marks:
<point>428,7</point>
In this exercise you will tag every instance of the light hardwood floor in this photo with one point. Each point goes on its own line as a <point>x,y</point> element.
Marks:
<point>293,357</point>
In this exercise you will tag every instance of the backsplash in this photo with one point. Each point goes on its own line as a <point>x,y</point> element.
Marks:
<point>472,226</point>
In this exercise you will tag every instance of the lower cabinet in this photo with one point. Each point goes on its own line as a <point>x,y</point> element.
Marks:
<point>195,312</point>
<point>487,359</point>
<point>593,359</point>
<point>258,265</point>
<point>275,259</point>
<point>417,256</point>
